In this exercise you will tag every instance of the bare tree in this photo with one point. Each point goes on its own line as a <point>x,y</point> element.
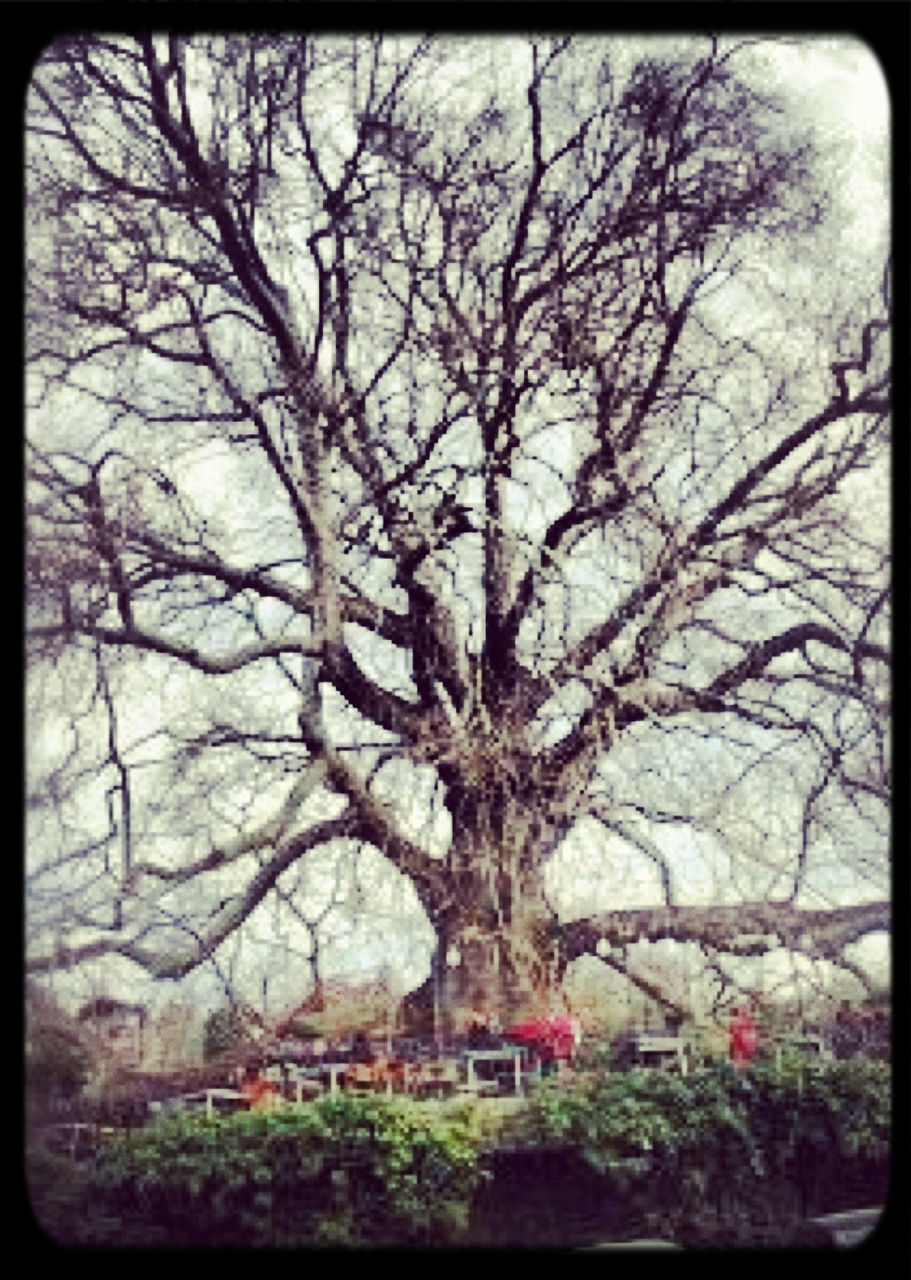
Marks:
<point>515,511</point>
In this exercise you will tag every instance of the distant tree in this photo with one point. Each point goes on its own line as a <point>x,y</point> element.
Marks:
<point>58,1062</point>
<point>225,1029</point>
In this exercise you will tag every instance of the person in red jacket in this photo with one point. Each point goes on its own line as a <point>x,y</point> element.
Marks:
<point>743,1038</point>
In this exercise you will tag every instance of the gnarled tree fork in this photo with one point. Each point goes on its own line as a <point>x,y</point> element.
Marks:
<point>408,436</point>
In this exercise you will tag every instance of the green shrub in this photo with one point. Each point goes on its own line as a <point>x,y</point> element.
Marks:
<point>299,1030</point>
<point>57,1066</point>
<point>348,1170</point>
<point>741,1157</point>
<point>61,1198</point>
<point>224,1030</point>
<point>712,1159</point>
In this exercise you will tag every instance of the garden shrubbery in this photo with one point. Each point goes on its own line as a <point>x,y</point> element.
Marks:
<point>719,1158</point>
<point>348,1171</point>
<point>711,1159</point>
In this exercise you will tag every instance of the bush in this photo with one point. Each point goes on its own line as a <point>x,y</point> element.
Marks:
<point>352,1171</point>
<point>224,1030</point>
<point>57,1066</point>
<point>713,1159</point>
<point>299,1030</point>
<point>741,1158</point>
<point>55,1192</point>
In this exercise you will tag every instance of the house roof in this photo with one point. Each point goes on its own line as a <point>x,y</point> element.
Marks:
<point>341,1006</point>
<point>105,1007</point>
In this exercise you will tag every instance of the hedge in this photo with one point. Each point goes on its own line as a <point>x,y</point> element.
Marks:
<point>347,1170</point>
<point>719,1158</point>
<point>710,1159</point>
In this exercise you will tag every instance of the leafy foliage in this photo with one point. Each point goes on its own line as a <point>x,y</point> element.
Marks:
<point>348,1171</point>
<point>224,1030</point>
<point>300,1030</point>
<point>57,1063</point>
<point>714,1158</point>
<point>56,1059</point>
<point>720,1157</point>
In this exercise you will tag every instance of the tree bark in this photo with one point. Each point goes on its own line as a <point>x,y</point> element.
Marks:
<point>497,934</point>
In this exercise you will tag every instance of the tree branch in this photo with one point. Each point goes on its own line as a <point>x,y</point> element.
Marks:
<point>174,964</point>
<point>749,928</point>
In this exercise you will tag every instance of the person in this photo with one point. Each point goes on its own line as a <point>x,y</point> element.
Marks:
<point>547,1058</point>
<point>360,1049</point>
<point>743,1038</point>
<point>475,1034</point>
<point>479,1035</point>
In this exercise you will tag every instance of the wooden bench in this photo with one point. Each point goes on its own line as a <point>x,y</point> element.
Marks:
<point>429,1078</point>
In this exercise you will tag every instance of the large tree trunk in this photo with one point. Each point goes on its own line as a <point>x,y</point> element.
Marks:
<point>503,973</point>
<point>499,933</point>
<point>497,938</point>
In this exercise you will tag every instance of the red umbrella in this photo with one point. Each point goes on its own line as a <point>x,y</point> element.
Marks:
<point>533,1029</point>
<point>562,1036</point>
<point>555,1036</point>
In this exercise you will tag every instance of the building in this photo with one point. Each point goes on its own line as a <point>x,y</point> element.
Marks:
<point>173,1037</point>
<point>115,1031</point>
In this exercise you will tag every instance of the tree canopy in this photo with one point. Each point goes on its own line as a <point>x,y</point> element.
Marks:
<point>442,449</point>
<point>225,1029</point>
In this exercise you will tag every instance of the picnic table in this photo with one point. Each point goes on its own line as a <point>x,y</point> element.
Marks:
<point>326,1073</point>
<point>422,1077</point>
<point>509,1055</point>
<point>429,1078</point>
<point>387,1075</point>
<point>373,1076</point>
